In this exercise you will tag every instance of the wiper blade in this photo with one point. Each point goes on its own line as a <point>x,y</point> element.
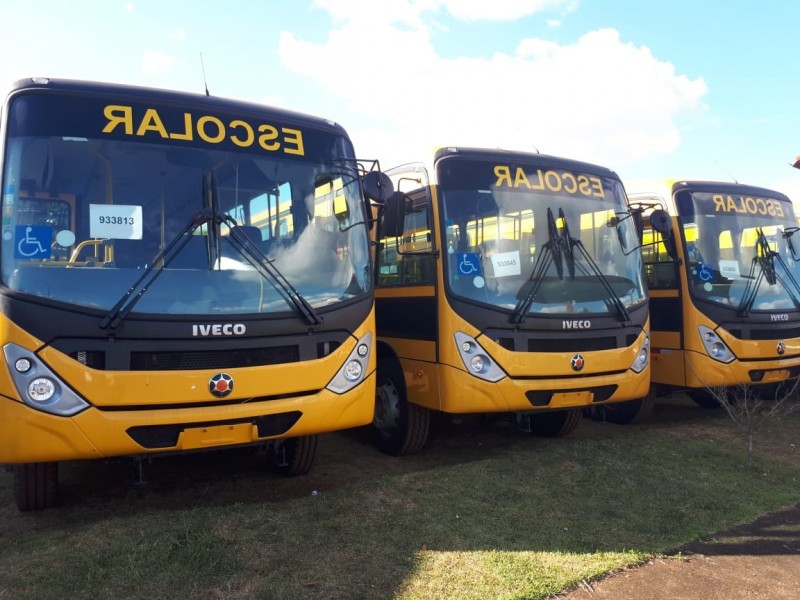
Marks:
<point>270,272</point>
<point>571,243</point>
<point>765,258</point>
<point>551,252</point>
<point>165,256</point>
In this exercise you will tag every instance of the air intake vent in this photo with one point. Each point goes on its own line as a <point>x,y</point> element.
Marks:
<point>213,359</point>
<point>91,359</point>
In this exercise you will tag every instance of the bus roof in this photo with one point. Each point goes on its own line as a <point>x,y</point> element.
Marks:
<point>663,190</point>
<point>543,159</point>
<point>159,94</point>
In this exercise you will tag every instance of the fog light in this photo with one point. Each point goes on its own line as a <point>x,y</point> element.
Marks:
<point>41,389</point>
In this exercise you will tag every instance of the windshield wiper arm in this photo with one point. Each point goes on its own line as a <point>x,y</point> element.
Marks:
<point>271,273</point>
<point>571,243</point>
<point>151,272</point>
<point>551,252</point>
<point>765,258</point>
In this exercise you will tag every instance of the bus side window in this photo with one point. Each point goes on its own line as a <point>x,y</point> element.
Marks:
<point>406,242</point>
<point>661,271</point>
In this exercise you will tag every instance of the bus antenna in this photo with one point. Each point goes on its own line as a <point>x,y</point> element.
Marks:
<point>203,67</point>
<point>726,170</point>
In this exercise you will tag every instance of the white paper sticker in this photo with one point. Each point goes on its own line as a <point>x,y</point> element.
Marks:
<point>506,264</point>
<point>115,221</point>
<point>729,269</point>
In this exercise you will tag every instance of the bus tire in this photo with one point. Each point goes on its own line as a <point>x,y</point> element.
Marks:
<point>295,456</point>
<point>625,413</point>
<point>36,485</point>
<point>704,399</point>
<point>400,428</point>
<point>557,423</point>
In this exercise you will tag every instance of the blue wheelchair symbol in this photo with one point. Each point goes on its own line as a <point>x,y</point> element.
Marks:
<point>469,263</point>
<point>32,241</point>
<point>704,272</point>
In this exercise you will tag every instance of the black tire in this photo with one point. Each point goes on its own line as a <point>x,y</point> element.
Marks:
<point>295,456</point>
<point>557,423</point>
<point>704,399</point>
<point>625,413</point>
<point>36,485</point>
<point>400,428</point>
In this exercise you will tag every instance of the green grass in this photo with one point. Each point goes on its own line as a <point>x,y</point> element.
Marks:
<point>480,514</point>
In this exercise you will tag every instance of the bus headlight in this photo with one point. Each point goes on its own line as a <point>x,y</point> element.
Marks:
<point>354,369</point>
<point>642,357</point>
<point>41,389</point>
<point>38,386</point>
<point>476,359</point>
<point>714,346</point>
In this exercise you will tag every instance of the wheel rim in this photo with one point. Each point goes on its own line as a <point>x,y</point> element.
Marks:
<point>387,406</point>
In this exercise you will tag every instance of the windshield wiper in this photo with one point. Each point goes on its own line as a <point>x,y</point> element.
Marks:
<point>765,259</point>
<point>270,272</point>
<point>164,257</point>
<point>551,252</point>
<point>571,243</point>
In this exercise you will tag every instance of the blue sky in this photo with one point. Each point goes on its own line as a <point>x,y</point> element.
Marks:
<point>686,89</point>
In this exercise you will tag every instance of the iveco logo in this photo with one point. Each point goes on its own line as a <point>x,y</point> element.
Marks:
<point>781,348</point>
<point>782,317</point>
<point>577,362</point>
<point>218,329</point>
<point>576,324</point>
<point>220,385</point>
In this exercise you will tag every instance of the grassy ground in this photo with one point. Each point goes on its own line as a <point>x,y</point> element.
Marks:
<point>485,512</point>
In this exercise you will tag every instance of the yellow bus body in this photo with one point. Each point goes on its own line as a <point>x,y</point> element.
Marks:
<point>29,435</point>
<point>679,358</point>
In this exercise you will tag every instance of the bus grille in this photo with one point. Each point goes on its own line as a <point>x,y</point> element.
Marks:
<point>774,333</point>
<point>557,344</point>
<point>213,359</point>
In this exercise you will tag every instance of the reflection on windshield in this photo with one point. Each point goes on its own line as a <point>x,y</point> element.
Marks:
<point>737,257</point>
<point>542,252</point>
<point>88,217</point>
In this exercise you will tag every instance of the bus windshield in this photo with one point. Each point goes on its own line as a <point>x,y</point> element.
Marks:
<point>741,250</point>
<point>539,239</point>
<point>95,190</point>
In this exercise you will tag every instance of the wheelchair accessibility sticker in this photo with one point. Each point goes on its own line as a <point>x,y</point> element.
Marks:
<point>32,241</point>
<point>469,263</point>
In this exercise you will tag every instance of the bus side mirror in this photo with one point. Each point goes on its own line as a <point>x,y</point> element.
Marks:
<point>377,186</point>
<point>660,221</point>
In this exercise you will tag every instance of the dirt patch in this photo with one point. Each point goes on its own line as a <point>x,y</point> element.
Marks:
<point>755,561</point>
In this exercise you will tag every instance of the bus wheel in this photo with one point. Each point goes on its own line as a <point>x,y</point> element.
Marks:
<point>703,398</point>
<point>400,427</point>
<point>625,413</point>
<point>36,485</point>
<point>294,456</point>
<point>557,423</point>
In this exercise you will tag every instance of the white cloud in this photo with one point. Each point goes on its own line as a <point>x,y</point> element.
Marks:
<point>177,35</point>
<point>157,63</point>
<point>597,99</point>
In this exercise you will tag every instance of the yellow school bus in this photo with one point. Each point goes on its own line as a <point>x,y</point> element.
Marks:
<point>179,273</point>
<point>508,283</point>
<point>723,284</point>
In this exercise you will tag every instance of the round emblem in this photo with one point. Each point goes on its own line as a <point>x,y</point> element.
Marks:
<point>577,362</point>
<point>220,385</point>
<point>781,348</point>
